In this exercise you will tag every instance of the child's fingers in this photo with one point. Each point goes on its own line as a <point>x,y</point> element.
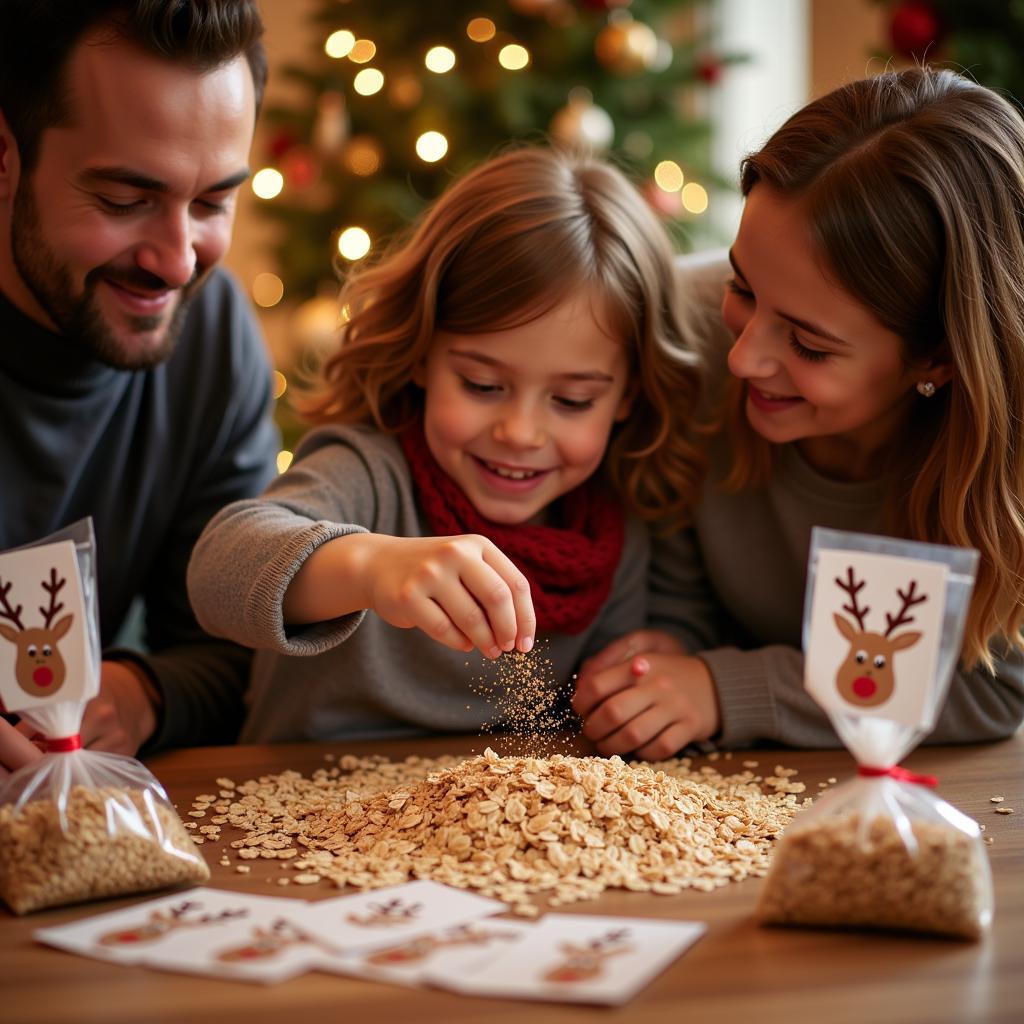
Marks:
<point>615,714</point>
<point>467,616</point>
<point>525,618</point>
<point>492,595</point>
<point>433,619</point>
<point>668,742</point>
<point>636,733</point>
<point>640,641</point>
<point>596,689</point>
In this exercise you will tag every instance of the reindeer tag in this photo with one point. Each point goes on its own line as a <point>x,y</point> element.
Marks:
<point>202,931</point>
<point>44,647</point>
<point>386,918</point>
<point>875,627</point>
<point>578,958</point>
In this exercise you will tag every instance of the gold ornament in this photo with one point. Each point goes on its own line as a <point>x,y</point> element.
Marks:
<point>627,47</point>
<point>581,124</point>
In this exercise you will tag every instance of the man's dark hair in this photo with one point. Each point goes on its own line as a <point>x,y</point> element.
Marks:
<point>37,37</point>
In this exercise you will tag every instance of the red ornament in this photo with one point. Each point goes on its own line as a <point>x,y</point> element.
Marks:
<point>604,5</point>
<point>914,28</point>
<point>280,143</point>
<point>300,167</point>
<point>709,69</point>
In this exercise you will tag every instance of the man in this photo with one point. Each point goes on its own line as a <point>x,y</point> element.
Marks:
<point>135,387</point>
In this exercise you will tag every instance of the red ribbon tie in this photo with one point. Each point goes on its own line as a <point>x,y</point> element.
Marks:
<point>64,744</point>
<point>894,771</point>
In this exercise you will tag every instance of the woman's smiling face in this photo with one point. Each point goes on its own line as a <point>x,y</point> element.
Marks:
<point>819,368</point>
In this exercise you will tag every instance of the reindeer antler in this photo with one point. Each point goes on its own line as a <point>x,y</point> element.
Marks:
<point>224,915</point>
<point>853,588</point>
<point>609,938</point>
<point>908,601</point>
<point>182,908</point>
<point>52,588</point>
<point>7,612</point>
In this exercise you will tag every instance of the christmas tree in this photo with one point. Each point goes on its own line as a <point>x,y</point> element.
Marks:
<point>401,96</point>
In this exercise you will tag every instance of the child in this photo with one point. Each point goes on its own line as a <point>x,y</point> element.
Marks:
<point>510,381</point>
<point>877,386</point>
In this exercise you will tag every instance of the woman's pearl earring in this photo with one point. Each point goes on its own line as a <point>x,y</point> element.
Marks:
<point>926,388</point>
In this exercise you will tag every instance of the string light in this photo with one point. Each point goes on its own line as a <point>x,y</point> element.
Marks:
<point>267,183</point>
<point>267,290</point>
<point>431,147</point>
<point>368,81</point>
<point>280,384</point>
<point>405,91</point>
<point>669,176</point>
<point>481,30</point>
<point>513,57</point>
<point>363,156</point>
<point>284,460</point>
<point>694,197</point>
<point>354,244</point>
<point>363,51</point>
<point>439,59</point>
<point>339,44</point>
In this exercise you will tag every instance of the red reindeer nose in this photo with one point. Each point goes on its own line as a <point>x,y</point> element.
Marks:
<point>42,676</point>
<point>864,687</point>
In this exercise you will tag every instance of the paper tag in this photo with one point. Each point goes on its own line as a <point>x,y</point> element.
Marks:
<point>44,648</point>
<point>875,629</point>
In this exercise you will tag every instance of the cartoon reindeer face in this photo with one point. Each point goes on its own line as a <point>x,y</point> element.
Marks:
<point>419,949</point>
<point>866,678</point>
<point>161,922</point>
<point>39,668</point>
<point>393,911</point>
<point>268,943</point>
<point>582,963</point>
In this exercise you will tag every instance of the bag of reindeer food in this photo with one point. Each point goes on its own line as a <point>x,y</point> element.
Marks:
<point>883,623</point>
<point>76,824</point>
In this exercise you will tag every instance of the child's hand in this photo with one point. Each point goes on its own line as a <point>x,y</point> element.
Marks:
<point>652,705</point>
<point>627,646</point>
<point>462,591</point>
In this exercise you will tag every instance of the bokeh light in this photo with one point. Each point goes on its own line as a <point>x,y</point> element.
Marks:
<point>354,243</point>
<point>439,59</point>
<point>267,290</point>
<point>267,183</point>
<point>339,44</point>
<point>368,82</point>
<point>431,147</point>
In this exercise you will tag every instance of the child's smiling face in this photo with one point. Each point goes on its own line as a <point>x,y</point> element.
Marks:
<point>521,416</point>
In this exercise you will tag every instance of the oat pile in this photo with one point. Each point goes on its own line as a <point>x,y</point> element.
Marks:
<point>825,875</point>
<point>514,827</point>
<point>46,863</point>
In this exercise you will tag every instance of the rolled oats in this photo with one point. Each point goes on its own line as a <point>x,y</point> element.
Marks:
<point>50,858</point>
<point>515,827</point>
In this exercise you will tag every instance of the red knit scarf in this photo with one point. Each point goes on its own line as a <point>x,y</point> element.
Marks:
<point>570,568</point>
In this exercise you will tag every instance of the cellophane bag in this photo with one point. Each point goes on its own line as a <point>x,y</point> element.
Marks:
<point>77,824</point>
<point>883,849</point>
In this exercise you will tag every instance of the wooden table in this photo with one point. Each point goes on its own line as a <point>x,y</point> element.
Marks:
<point>737,972</point>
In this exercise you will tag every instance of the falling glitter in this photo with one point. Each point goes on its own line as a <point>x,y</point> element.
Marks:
<point>529,704</point>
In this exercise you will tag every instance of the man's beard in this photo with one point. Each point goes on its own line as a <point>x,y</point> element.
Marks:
<point>81,318</point>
